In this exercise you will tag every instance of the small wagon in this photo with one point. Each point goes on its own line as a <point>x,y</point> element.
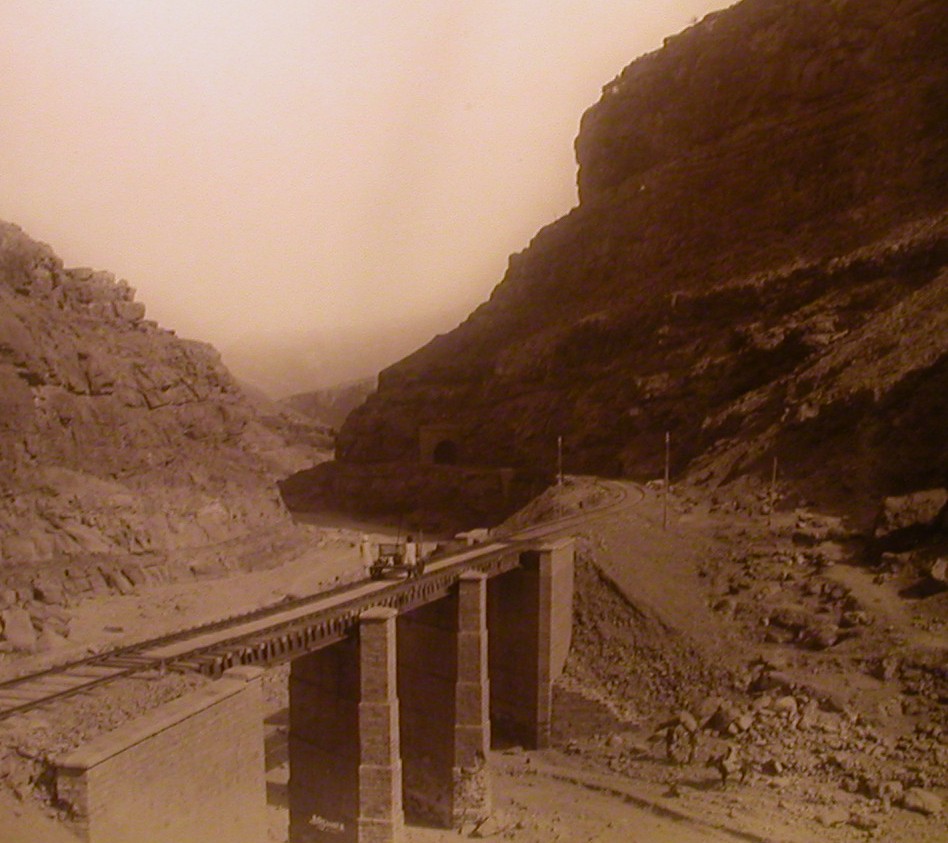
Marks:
<point>393,557</point>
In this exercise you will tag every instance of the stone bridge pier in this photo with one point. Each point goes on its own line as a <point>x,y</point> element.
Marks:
<point>397,721</point>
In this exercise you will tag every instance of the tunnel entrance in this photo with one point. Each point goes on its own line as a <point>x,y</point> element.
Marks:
<point>439,444</point>
<point>445,453</point>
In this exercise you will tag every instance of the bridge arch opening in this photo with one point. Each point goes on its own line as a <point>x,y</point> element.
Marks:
<point>445,452</point>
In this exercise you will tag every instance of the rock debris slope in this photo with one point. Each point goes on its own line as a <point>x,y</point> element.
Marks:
<point>118,440</point>
<point>758,264</point>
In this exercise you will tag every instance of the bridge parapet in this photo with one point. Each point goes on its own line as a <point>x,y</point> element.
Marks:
<point>192,765</point>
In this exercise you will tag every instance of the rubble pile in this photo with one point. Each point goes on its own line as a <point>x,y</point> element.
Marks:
<point>834,695</point>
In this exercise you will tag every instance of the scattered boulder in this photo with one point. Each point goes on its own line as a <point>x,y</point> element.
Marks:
<point>855,618</point>
<point>744,722</point>
<point>812,530</point>
<point>18,628</point>
<point>890,791</point>
<point>832,816</point>
<point>774,767</point>
<point>770,680</point>
<point>722,718</point>
<point>821,636</point>
<point>939,570</point>
<point>49,639</point>
<point>885,668</point>
<point>785,705</point>
<point>793,618</point>
<point>687,719</point>
<point>727,606</point>
<point>129,311</point>
<point>919,510</point>
<point>922,801</point>
<point>119,581</point>
<point>487,827</point>
<point>49,590</point>
<point>863,820</point>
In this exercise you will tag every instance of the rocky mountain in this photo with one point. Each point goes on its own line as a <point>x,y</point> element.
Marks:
<point>331,406</point>
<point>119,442</point>
<point>758,264</point>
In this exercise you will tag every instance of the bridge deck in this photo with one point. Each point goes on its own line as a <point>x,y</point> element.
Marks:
<point>275,633</point>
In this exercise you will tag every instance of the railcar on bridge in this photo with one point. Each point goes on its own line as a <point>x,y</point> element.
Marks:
<point>397,557</point>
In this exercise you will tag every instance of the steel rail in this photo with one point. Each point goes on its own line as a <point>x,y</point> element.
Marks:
<point>278,632</point>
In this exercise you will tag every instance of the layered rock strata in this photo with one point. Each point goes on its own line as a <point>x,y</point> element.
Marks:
<point>121,446</point>
<point>758,265</point>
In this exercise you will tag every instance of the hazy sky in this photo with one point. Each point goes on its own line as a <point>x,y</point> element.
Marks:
<point>315,187</point>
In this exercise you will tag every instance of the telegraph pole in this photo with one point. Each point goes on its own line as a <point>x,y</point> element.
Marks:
<point>667,480</point>
<point>559,460</point>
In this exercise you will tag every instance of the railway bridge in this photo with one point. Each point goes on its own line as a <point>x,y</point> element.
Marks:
<point>396,689</point>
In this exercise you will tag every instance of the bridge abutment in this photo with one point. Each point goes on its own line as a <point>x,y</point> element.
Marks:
<point>190,771</point>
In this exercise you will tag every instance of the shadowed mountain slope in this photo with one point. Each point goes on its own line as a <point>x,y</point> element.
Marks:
<point>758,264</point>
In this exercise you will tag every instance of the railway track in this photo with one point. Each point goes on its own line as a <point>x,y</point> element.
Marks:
<point>278,632</point>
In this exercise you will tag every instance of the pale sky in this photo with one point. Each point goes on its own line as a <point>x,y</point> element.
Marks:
<point>316,187</point>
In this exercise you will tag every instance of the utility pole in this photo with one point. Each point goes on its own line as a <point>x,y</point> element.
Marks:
<point>559,460</point>
<point>667,480</point>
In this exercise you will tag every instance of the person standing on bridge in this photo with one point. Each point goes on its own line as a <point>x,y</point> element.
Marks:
<point>411,552</point>
<point>365,550</point>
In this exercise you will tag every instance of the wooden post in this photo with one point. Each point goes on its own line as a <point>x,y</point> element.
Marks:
<point>559,460</point>
<point>667,480</point>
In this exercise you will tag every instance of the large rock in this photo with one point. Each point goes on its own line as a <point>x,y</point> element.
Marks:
<point>939,570</point>
<point>18,628</point>
<point>919,509</point>
<point>922,801</point>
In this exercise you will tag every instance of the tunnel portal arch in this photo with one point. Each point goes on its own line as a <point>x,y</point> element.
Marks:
<point>445,452</point>
<point>440,444</point>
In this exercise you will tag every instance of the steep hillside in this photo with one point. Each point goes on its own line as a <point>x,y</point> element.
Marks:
<point>758,264</point>
<point>118,441</point>
<point>331,406</point>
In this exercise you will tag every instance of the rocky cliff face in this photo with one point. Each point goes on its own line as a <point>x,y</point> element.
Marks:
<point>117,439</point>
<point>758,264</point>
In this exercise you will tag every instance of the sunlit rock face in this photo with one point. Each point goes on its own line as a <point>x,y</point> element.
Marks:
<point>331,406</point>
<point>757,265</point>
<point>116,437</point>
